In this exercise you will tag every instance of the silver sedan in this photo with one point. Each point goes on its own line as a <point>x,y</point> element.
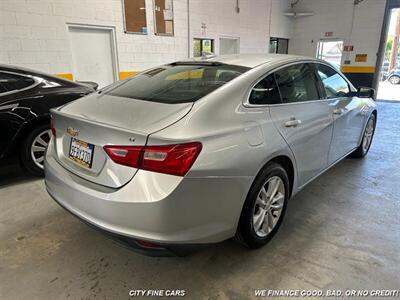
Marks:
<point>199,151</point>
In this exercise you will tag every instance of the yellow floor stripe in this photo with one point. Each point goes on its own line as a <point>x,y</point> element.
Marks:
<point>126,74</point>
<point>122,75</point>
<point>67,76</point>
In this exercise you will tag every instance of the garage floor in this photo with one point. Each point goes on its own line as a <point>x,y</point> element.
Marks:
<point>389,91</point>
<point>342,231</point>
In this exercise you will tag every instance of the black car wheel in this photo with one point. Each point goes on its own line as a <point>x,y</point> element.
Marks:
<point>34,148</point>
<point>264,207</point>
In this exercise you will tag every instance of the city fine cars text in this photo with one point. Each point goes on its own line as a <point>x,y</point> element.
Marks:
<point>157,293</point>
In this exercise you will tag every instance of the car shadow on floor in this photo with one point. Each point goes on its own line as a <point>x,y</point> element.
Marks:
<point>12,173</point>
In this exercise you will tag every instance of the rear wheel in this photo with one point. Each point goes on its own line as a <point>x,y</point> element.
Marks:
<point>366,142</point>
<point>394,79</point>
<point>265,207</point>
<point>33,149</point>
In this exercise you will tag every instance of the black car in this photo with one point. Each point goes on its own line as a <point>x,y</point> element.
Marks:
<point>26,97</point>
<point>394,76</point>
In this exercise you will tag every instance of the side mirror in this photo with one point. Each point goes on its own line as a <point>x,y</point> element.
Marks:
<point>365,92</point>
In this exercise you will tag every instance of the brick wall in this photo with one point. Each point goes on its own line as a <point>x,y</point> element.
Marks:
<point>34,33</point>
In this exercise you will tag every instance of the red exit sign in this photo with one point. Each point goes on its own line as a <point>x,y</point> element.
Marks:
<point>328,33</point>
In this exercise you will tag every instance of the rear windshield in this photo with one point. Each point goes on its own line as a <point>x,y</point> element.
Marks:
<point>178,83</point>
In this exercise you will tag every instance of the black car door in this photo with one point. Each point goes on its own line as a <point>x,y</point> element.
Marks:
<point>12,111</point>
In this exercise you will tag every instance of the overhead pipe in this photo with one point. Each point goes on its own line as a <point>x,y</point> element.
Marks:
<point>188,20</point>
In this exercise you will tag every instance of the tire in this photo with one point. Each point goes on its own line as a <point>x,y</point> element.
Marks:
<point>247,232</point>
<point>33,149</point>
<point>394,79</point>
<point>366,141</point>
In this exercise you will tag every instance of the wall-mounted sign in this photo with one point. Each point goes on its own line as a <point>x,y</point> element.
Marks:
<point>328,33</point>
<point>361,57</point>
<point>348,48</point>
<point>203,28</point>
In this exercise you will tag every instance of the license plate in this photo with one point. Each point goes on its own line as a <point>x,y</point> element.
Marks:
<point>81,152</point>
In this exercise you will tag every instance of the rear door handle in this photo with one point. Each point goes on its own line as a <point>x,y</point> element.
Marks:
<point>292,123</point>
<point>337,111</point>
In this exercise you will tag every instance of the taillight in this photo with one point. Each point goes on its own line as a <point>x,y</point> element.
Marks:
<point>53,129</point>
<point>168,159</point>
<point>125,155</point>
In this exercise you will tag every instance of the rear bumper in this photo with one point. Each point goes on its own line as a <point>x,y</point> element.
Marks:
<point>164,250</point>
<point>164,209</point>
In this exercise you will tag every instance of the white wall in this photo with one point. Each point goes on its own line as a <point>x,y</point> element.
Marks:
<point>336,16</point>
<point>281,26</point>
<point>33,33</point>
<point>221,20</point>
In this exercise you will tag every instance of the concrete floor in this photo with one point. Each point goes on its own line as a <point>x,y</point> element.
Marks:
<point>389,91</point>
<point>340,232</point>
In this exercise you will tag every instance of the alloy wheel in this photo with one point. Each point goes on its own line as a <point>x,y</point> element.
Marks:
<point>368,134</point>
<point>38,147</point>
<point>394,80</point>
<point>268,206</point>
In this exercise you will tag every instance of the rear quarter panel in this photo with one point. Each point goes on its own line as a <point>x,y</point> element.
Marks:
<point>237,141</point>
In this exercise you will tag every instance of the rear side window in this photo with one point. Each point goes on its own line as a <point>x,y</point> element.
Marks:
<point>335,86</point>
<point>12,82</point>
<point>297,83</point>
<point>265,92</point>
<point>178,83</point>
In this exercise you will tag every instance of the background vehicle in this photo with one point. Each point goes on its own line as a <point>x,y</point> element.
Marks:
<point>200,151</point>
<point>394,76</point>
<point>26,97</point>
<point>384,70</point>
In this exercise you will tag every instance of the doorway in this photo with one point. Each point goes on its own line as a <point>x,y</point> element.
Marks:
<point>278,45</point>
<point>202,47</point>
<point>228,46</point>
<point>93,54</point>
<point>389,77</point>
<point>330,51</point>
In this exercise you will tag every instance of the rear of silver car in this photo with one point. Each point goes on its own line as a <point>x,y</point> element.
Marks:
<point>104,166</point>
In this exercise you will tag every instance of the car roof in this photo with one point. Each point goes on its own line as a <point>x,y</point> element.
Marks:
<point>253,60</point>
<point>27,71</point>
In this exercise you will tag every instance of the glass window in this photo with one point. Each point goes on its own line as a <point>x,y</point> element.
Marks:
<point>164,15</point>
<point>265,92</point>
<point>202,46</point>
<point>135,16</point>
<point>12,82</point>
<point>297,83</point>
<point>334,84</point>
<point>278,45</point>
<point>177,83</point>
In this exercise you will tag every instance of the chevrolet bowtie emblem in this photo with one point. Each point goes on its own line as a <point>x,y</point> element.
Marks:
<point>72,131</point>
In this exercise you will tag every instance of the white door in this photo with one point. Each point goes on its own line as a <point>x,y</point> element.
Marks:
<point>93,55</point>
<point>228,46</point>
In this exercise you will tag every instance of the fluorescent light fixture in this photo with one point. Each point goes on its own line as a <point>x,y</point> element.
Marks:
<point>294,14</point>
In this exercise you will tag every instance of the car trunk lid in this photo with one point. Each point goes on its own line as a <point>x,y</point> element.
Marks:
<point>85,126</point>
